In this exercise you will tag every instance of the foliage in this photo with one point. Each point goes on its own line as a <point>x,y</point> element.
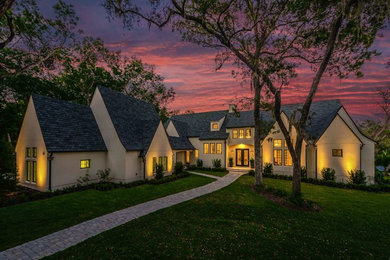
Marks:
<point>230,161</point>
<point>199,163</point>
<point>251,173</point>
<point>179,167</point>
<point>357,177</point>
<point>159,172</point>
<point>328,174</point>
<point>217,163</point>
<point>8,174</point>
<point>83,180</point>
<point>104,175</point>
<point>378,177</point>
<point>268,169</point>
<point>168,178</point>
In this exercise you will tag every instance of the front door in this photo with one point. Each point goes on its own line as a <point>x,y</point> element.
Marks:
<point>242,157</point>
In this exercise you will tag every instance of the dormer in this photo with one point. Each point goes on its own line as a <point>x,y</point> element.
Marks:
<point>214,126</point>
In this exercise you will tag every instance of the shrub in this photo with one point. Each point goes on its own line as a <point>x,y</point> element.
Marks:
<point>251,173</point>
<point>8,181</point>
<point>217,163</point>
<point>159,172</point>
<point>303,172</point>
<point>328,174</point>
<point>84,180</point>
<point>199,163</point>
<point>378,176</point>
<point>104,175</point>
<point>179,167</point>
<point>268,169</point>
<point>357,177</point>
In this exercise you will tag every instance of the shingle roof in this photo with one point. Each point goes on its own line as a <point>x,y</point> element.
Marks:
<point>67,127</point>
<point>321,115</point>
<point>135,121</point>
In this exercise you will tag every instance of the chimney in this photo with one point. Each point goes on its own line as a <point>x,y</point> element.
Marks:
<point>232,108</point>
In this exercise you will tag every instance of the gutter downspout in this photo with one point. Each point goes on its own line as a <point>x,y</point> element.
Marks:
<point>50,158</point>
<point>360,156</point>
<point>224,155</point>
<point>144,161</point>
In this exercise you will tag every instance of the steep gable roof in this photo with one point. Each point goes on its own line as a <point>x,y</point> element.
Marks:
<point>181,142</point>
<point>135,121</point>
<point>66,126</point>
<point>321,115</point>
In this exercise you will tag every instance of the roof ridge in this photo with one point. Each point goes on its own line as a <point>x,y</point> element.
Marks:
<point>59,100</point>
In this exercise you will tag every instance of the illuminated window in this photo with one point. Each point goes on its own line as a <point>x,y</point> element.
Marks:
<point>187,156</point>
<point>31,164</point>
<point>154,164</point>
<point>212,148</point>
<point>28,152</point>
<point>196,153</point>
<point>278,157</point>
<point>160,159</point>
<point>337,152</point>
<point>241,133</point>
<point>85,163</point>
<point>277,142</point>
<point>235,134</point>
<point>165,163</point>
<point>205,148</point>
<point>219,148</point>
<point>214,126</point>
<point>248,133</point>
<point>287,158</point>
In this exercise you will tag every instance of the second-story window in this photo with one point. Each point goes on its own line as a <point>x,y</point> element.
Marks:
<point>235,134</point>
<point>248,133</point>
<point>214,126</point>
<point>241,133</point>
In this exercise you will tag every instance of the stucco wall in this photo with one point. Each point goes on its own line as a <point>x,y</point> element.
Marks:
<point>231,152</point>
<point>134,167</point>
<point>66,167</point>
<point>31,136</point>
<point>116,155</point>
<point>159,147</point>
<point>234,141</point>
<point>208,158</point>
<point>338,136</point>
<point>368,149</point>
<point>171,130</point>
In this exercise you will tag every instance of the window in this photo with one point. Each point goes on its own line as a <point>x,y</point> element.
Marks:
<point>248,133</point>
<point>212,148</point>
<point>196,153</point>
<point>187,156</point>
<point>85,163</point>
<point>241,133</point>
<point>165,163</point>
<point>337,152</point>
<point>28,152</point>
<point>214,126</point>
<point>160,160</point>
<point>219,148</point>
<point>287,158</point>
<point>154,164</point>
<point>277,142</point>
<point>205,148</point>
<point>235,134</point>
<point>31,164</point>
<point>278,157</point>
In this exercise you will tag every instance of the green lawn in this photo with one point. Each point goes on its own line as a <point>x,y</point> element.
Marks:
<point>237,223</point>
<point>31,220</point>
<point>219,174</point>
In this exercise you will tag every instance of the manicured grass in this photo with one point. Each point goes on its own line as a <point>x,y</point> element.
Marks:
<point>237,223</point>
<point>31,220</point>
<point>219,174</point>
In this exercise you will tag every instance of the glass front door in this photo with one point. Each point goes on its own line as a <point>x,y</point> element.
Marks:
<point>242,157</point>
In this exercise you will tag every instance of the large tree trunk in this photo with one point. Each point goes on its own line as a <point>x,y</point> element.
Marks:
<point>296,183</point>
<point>257,138</point>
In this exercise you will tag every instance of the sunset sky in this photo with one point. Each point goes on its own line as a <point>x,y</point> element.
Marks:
<point>190,69</point>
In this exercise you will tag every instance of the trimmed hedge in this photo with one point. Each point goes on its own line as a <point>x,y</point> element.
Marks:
<point>101,186</point>
<point>371,188</point>
<point>219,169</point>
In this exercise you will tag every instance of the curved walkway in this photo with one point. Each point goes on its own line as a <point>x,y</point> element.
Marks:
<point>71,236</point>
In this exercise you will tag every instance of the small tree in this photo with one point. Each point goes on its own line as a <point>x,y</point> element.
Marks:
<point>159,172</point>
<point>328,174</point>
<point>357,177</point>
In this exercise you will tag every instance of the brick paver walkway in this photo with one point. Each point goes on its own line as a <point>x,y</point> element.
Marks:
<point>71,236</point>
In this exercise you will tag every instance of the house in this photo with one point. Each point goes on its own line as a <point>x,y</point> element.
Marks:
<point>332,140</point>
<point>59,141</point>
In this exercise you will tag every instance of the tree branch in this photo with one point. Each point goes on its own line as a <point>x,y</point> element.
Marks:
<point>11,30</point>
